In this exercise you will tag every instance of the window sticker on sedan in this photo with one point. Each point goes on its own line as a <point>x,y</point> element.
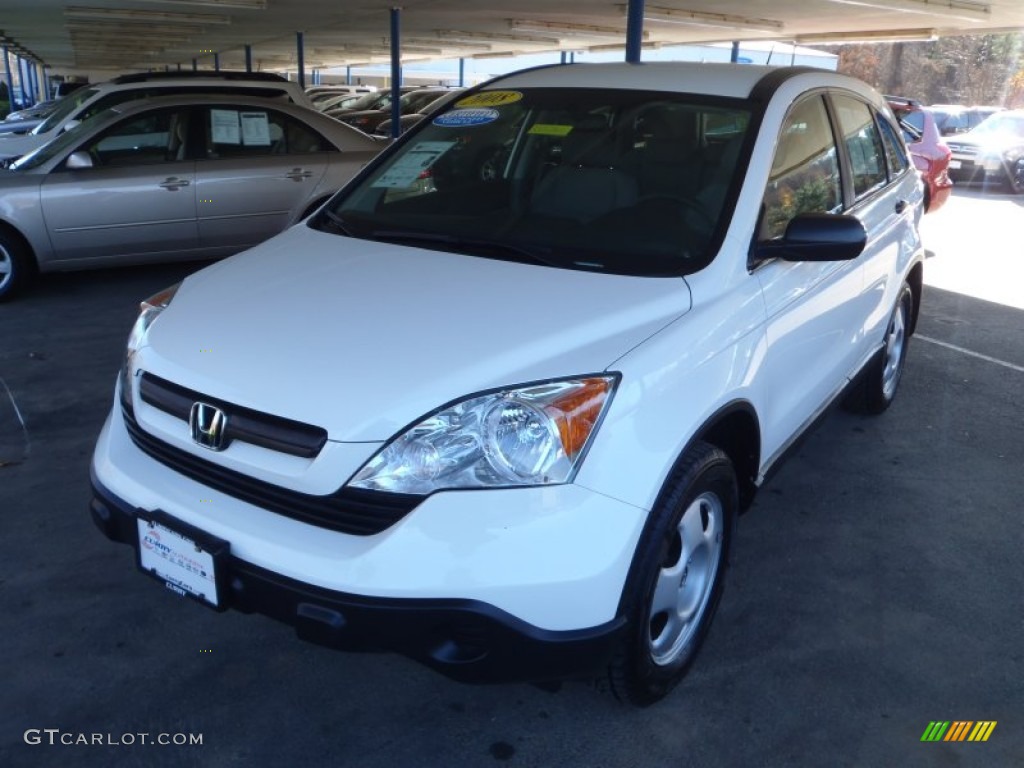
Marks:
<point>413,164</point>
<point>461,118</point>
<point>490,99</point>
<point>224,128</point>
<point>255,129</point>
<point>546,129</point>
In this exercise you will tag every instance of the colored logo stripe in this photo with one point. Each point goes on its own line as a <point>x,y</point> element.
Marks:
<point>982,730</point>
<point>935,730</point>
<point>958,730</point>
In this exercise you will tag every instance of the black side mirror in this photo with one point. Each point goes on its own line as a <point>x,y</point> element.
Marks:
<point>816,237</point>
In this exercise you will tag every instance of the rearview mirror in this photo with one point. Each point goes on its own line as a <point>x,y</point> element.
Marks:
<point>817,237</point>
<point>78,160</point>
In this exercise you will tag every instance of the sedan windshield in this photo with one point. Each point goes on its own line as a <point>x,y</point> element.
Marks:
<point>60,144</point>
<point>629,182</point>
<point>67,106</point>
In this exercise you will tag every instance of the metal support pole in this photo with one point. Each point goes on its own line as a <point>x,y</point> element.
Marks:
<point>21,82</point>
<point>195,65</point>
<point>634,30</point>
<point>30,71</point>
<point>462,73</point>
<point>735,55</point>
<point>348,75</point>
<point>179,66</point>
<point>302,64</point>
<point>564,57</point>
<point>248,58</point>
<point>396,72</point>
<point>216,62</point>
<point>46,84</point>
<point>10,81</point>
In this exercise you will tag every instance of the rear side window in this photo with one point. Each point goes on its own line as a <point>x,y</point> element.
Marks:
<point>252,132</point>
<point>863,144</point>
<point>895,155</point>
<point>805,172</point>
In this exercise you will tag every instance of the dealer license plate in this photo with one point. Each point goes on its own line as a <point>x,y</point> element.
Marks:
<point>954,164</point>
<point>172,553</point>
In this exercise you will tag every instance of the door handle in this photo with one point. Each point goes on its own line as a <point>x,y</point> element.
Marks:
<point>174,183</point>
<point>298,174</point>
<point>901,206</point>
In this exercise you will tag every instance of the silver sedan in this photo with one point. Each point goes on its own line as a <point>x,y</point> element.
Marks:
<point>173,178</point>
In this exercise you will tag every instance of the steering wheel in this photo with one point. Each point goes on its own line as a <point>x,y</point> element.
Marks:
<point>678,200</point>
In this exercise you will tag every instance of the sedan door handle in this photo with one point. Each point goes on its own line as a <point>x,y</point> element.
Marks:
<point>901,206</point>
<point>298,174</point>
<point>174,183</point>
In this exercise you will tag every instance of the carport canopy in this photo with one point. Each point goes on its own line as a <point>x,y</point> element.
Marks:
<point>133,35</point>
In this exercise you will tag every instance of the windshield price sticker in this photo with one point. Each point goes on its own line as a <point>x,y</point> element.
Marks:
<point>462,118</point>
<point>490,99</point>
<point>413,164</point>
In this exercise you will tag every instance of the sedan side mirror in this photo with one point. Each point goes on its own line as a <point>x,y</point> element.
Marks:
<point>72,123</point>
<point>78,160</point>
<point>817,237</point>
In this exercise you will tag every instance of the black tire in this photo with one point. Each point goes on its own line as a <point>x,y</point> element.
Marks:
<point>1015,180</point>
<point>659,647</point>
<point>16,265</point>
<point>881,381</point>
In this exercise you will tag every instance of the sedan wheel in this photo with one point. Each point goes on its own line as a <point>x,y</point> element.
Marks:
<point>14,266</point>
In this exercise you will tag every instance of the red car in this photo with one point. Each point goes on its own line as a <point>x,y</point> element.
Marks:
<point>927,148</point>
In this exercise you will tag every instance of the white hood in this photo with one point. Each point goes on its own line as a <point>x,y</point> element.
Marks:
<point>364,338</point>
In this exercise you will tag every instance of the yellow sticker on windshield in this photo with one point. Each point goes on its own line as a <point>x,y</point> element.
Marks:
<point>490,99</point>
<point>545,129</point>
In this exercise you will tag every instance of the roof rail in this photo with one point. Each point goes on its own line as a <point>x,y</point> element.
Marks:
<point>145,77</point>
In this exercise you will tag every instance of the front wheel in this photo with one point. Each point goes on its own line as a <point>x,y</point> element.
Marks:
<point>15,265</point>
<point>677,584</point>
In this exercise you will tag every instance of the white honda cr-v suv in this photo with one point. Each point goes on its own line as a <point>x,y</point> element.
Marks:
<point>497,404</point>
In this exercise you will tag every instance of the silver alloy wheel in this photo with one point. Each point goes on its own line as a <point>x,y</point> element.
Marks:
<point>6,267</point>
<point>684,582</point>
<point>894,342</point>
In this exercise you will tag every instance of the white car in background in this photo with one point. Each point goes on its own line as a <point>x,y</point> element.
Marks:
<point>504,422</point>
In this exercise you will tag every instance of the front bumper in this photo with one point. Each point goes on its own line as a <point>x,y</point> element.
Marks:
<point>485,586</point>
<point>466,640</point>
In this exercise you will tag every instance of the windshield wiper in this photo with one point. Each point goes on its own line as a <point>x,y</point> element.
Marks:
<point>338,224</point>
<point>471,245</point>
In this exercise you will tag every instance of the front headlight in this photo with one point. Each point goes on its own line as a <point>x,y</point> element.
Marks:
<point>531,435</point>
<point>149,311</point>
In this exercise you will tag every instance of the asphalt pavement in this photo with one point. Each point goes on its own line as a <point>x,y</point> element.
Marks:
<point>876,585</point>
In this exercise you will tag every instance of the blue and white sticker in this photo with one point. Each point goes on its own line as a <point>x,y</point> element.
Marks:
<point>462,118</point>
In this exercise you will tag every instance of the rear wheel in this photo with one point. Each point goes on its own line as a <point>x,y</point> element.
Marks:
<point>679,576</point>
<point>882,378</point>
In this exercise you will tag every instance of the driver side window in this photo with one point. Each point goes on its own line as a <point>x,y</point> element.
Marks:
<point>146,139</point>
<point>805,172</point>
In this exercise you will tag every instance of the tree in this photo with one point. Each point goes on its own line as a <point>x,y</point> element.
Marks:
<point>968,69</point>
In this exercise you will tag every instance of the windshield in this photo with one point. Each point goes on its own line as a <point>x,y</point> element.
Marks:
<point>58,144</point>
<point>65,108</point>
<point>630,182</point>
<point>1012,125</point>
